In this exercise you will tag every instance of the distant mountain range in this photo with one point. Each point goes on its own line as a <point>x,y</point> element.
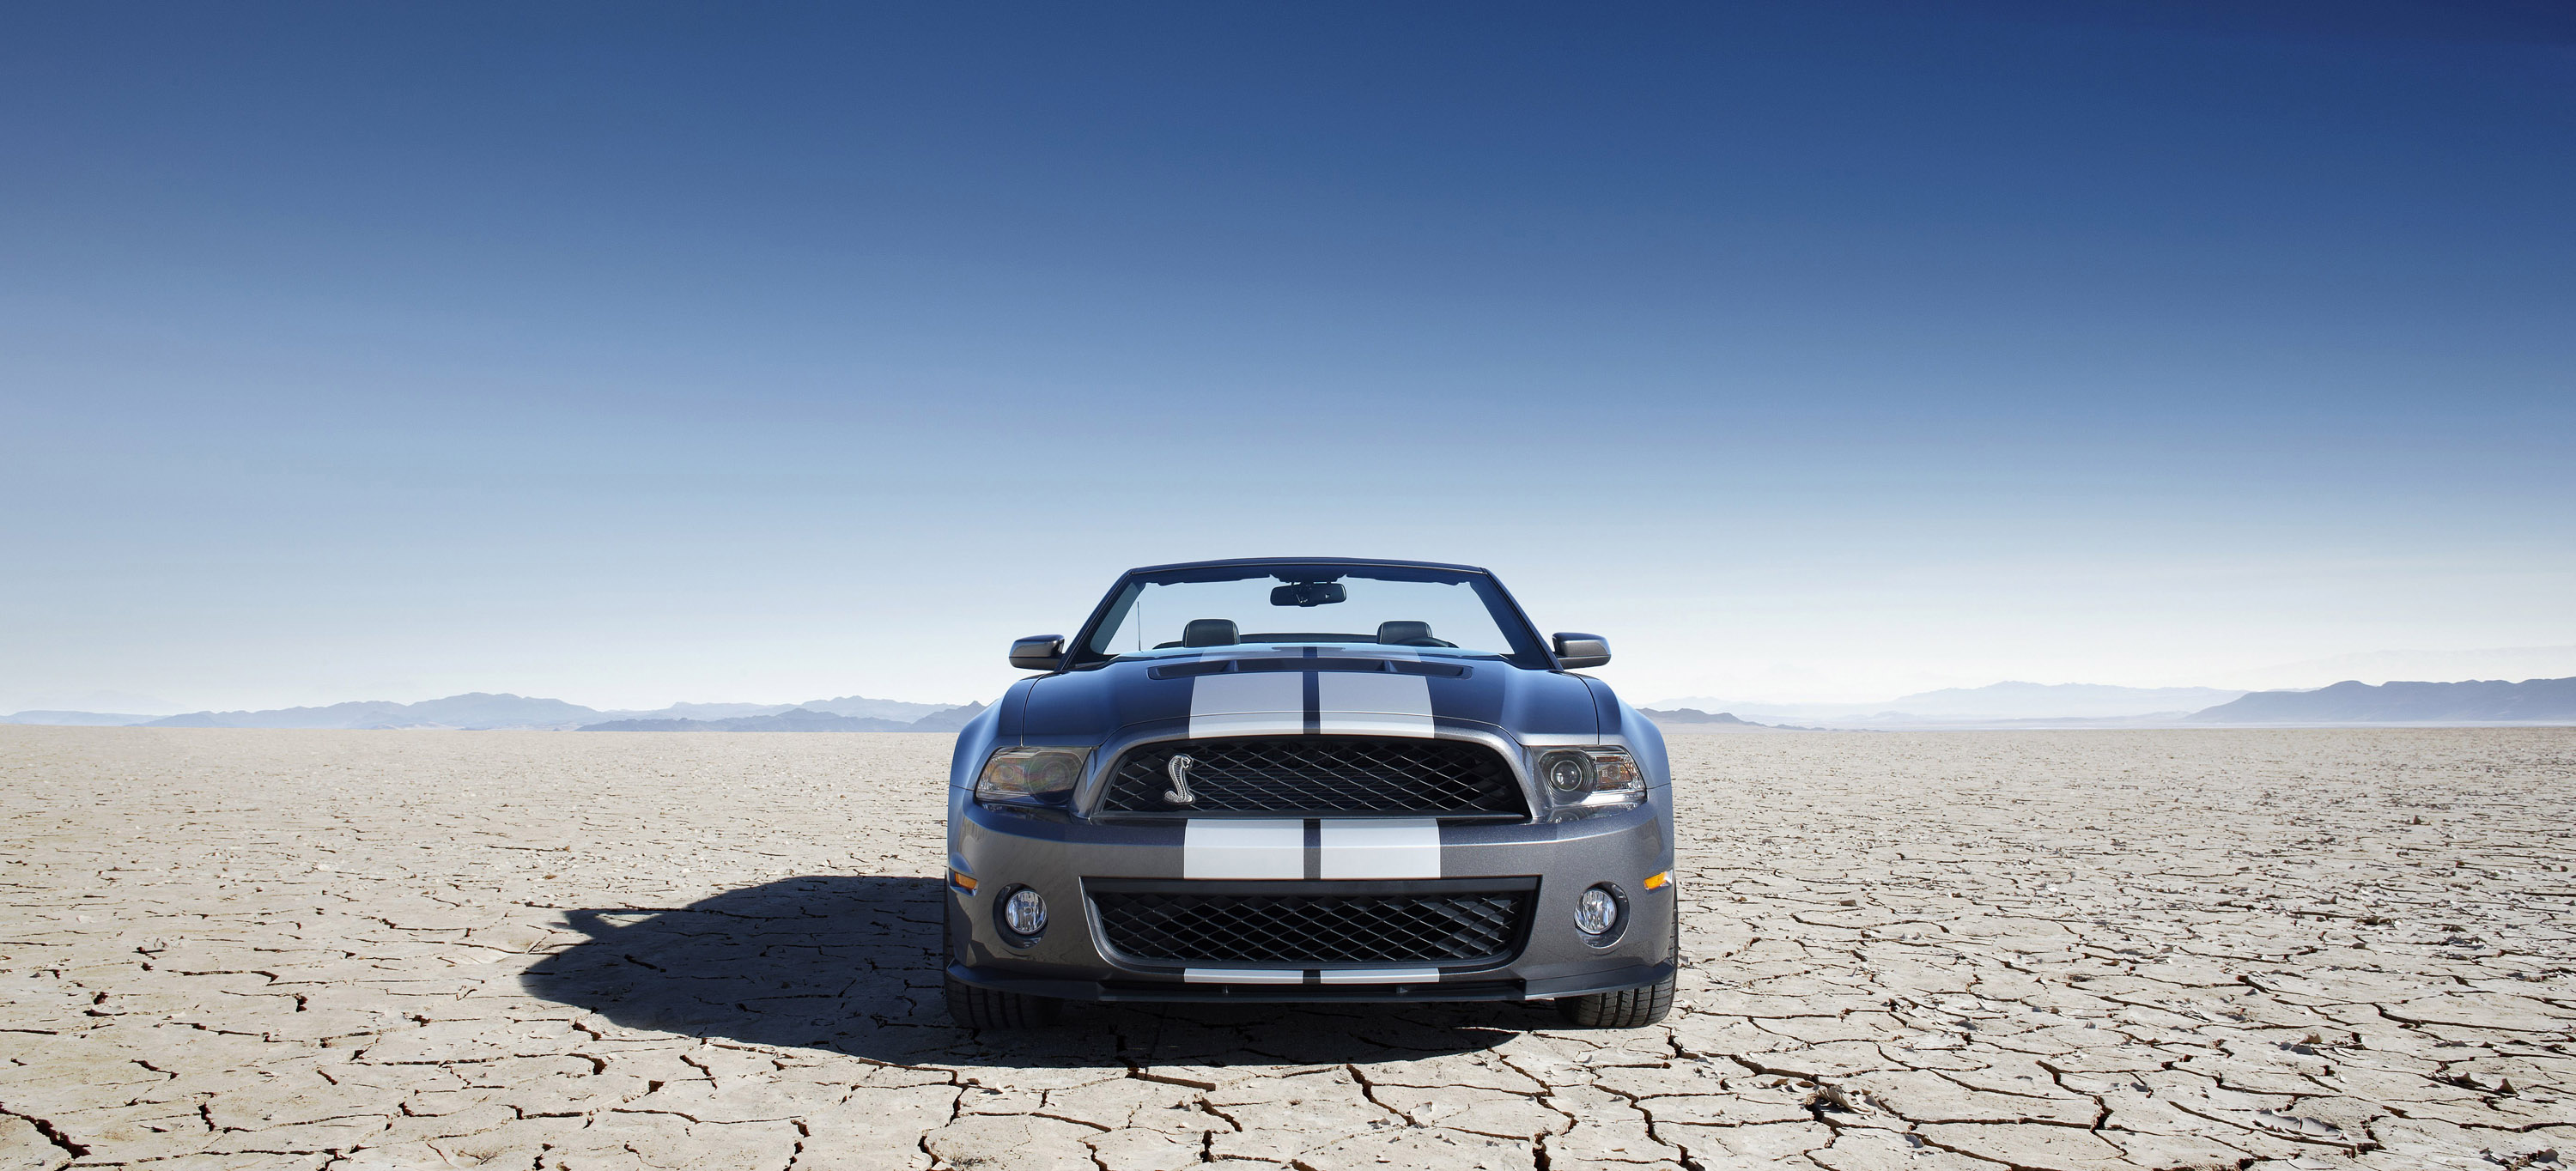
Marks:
<point>2526,662</point>
<point>484,711</point>
<point>799,720</point>
<point>478,710</point>
<point>1694,720</point>
<point>2059,701</point>
<point>855,706</point>
<point>2083,705</point>
<point>2009,704</point>
<point>76,719</point>
<point>1692,715</point>
<point>2003,705</point>
<point>2353,702</point>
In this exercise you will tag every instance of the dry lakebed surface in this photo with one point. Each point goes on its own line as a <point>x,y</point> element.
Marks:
<point>1949,952</point>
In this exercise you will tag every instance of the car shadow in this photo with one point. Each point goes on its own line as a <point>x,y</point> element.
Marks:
<point>851,964</point>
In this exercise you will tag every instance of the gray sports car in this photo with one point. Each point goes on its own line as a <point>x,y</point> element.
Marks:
<point>1310,779</point>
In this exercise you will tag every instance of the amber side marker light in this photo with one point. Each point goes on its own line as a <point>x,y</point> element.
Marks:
<point>1657,881</point>
<point>962,881</point>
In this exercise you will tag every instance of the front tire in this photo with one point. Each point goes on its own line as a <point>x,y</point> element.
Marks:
<point>1628,1008</point>
<point>984,1008</point>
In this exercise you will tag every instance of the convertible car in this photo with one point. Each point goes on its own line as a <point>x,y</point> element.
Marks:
<point>1303,780</point>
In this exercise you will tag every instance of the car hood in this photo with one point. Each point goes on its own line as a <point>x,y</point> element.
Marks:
<point>1290,690</point>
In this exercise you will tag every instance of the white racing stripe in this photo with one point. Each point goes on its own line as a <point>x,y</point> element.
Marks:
<point>1372,703</point>
<point>1374,724</point>
<point>1381,976</point>
<point>1395,847</point>
<point>1247,724</point>
<point>1248,703</point>
<point>1225,848</point>
<point>1243,975</point>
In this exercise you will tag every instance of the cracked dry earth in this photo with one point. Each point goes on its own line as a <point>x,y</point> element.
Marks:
<point>263,949</point>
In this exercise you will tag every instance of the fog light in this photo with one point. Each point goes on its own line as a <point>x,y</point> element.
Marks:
<point>1024,912</point>
<point>1597,911</point>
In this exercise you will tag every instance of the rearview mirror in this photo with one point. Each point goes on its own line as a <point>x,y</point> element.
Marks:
<point>1309,593</point>
<point>1577,651</point>
<point>1038,652</point>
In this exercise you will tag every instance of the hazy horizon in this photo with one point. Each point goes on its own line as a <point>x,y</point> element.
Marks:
<point>1819,352</point>
<point>2559,662</point>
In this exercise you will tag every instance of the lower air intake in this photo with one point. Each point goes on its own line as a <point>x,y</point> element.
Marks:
<point>1466,927</point>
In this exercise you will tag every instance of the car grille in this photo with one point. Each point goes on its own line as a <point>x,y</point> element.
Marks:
<point>1319,774</point>
<point>1469,927</point>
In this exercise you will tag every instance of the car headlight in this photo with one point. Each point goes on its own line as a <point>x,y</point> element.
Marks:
<point>1590,778</point>
<point>1031,776</point>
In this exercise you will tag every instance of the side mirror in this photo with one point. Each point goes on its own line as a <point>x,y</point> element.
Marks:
<point>1577,651</point>
<point>1038,652</point>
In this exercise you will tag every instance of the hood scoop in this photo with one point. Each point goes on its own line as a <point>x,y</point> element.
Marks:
<point>1371,666</point>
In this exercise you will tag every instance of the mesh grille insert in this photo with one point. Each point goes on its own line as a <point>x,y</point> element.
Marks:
<point>1318,774</point>
<point>1449,928</point>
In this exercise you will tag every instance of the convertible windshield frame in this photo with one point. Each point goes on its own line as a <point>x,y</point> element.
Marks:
<point>1528,649</point>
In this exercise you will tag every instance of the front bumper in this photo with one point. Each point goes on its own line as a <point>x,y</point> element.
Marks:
<point>1060,858</point>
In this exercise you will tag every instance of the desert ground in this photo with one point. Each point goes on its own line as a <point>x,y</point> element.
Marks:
<point>1944,951</point>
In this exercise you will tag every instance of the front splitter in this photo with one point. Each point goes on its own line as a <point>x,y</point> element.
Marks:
<point>1176,992</point>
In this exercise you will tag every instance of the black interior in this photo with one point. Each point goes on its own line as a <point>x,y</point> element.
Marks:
<point>1408,634</point>
<point>1208,632</point>
<point>1202,632</point>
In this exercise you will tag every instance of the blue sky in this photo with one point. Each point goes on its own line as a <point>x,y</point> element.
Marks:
<point>1818,351</point>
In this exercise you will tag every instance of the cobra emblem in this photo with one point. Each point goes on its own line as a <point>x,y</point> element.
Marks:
<point>1179,771</point>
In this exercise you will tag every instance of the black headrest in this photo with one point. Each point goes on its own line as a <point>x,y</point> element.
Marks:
<point>1208,632</point>
<point>1403,633</point>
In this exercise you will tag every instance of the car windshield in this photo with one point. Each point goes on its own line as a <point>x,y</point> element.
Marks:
<point>1400,606</point>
